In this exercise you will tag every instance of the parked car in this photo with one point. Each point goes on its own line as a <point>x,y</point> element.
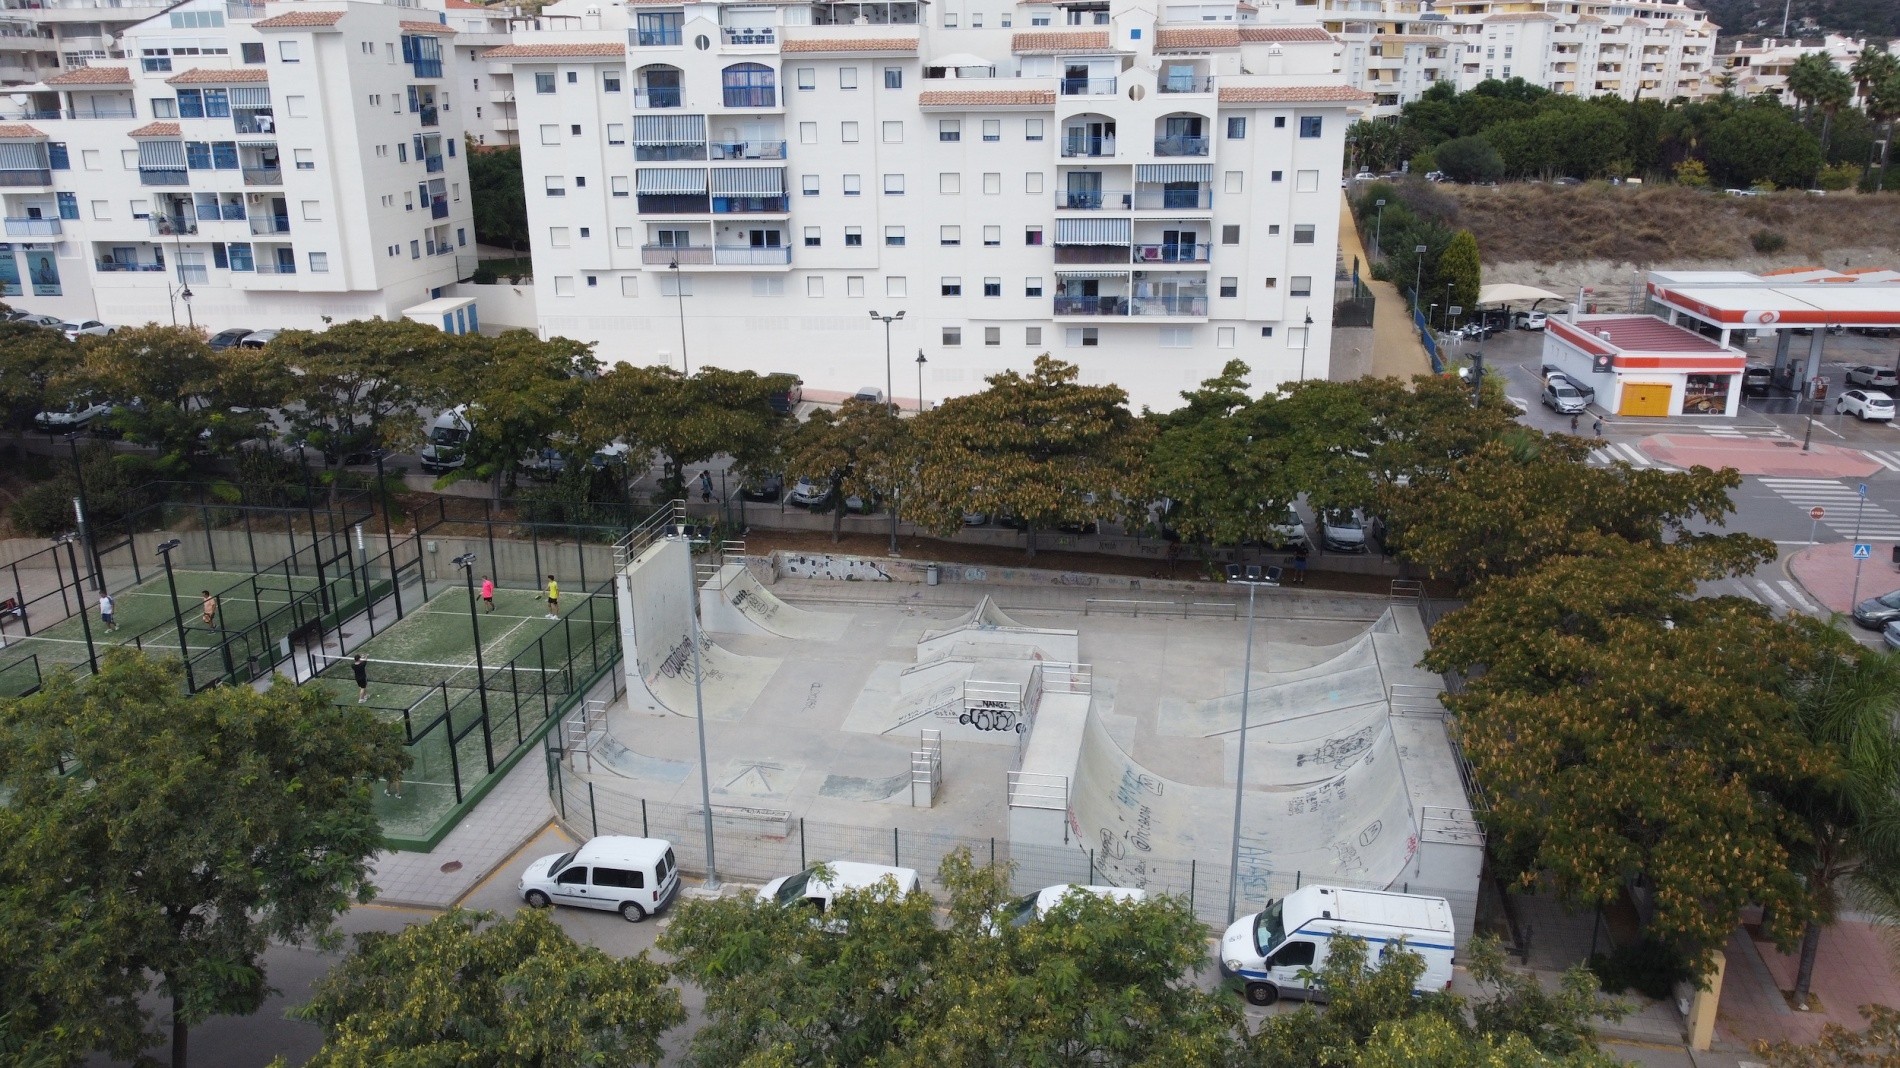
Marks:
<point>1289,532</point>
<point>1589,392</point>
<point>808,494</point>
<point>1876,612</point>
<point>33,319</point>
<point>1868,375</point>
<point>1756,379</point>
<point>228,339</point>
<point>542,465</point>
<point>869,393</point>
<point>764,488</point>
<point>1364,176</point>
<point>1342,531</point>
<point>1533,320</point>
<point>1562,397</point>
<point>785,401</point>
<point>635,877</point>
<point>1475,331</point>
<point>1031,907</point>
<point>1865,404</point>
<point>258,339</point>
<point>77,413</point>
<point>86,328</point>
<point>816,891</point>
<point>609,456</point>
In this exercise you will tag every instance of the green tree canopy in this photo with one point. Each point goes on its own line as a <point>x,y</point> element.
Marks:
<point>1762,143</point>
<point>861,450</point>
<point>168,385</point>
<point>1459,268</point>
<point>1469,159</point>
<point>30,358</point>
<point>522,393</point>
<point>498,203</point>
<point>153,839</point>
<point>687,420</point>
<point>360,384</point>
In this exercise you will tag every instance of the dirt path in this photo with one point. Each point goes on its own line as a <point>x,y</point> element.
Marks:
<point>1396,350</point>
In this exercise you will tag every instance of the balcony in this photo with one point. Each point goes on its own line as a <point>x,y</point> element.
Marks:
<point>1073,147</point>
<point>670,153</point>
<point>1086,254</point>
<point>427,115</point>
<point>750,205</point>
<point>270,224</point>
<point>1188,84</point>
<point>33,227</point>
<point>663,38</point>
<point>749,35</point>
<point>432,164</point>
<point>26,177</point>
<point>1201,199</point>
<point>237,12</point>
<point>750,96</point>
<point>1180,252</point>
<point>1088,87</point>
<point>1180,305</point>
<point>439,208</point>
<point>254,122</point>
<point>123,266</point>
<point>215,212</point>
<point>666,255</point>
<point>663,97</point>
<point>752,256</point>
<point>162,225</point>
<point>427,68</point>
<point>263,176</point>
<point>748,150</point>
<point>1094,200</point>
<point>674,204</point>
<point>275,267</point>
<point>164,177</point>
<point>1109,305</point>
<point>1180,146</point>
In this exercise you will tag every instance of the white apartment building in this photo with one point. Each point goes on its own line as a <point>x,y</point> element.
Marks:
<point>743,185</point>
<point>1763,66</point>
<point>285,166</point>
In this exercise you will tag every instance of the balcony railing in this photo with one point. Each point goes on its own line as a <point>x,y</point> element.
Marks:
<point>1088,87</point>
<point>668,153</point>
<point>26,177</point>
<point>253,122</point>
<point>439,208</point>
<point>751,96</point>
<point>749,205</point>
<point>749,35</point>
<point>32,227</point>
<point>172,226</point>
<point>445,249</point>
<point>1180,146</point>
<point>177,177</point>
<point>214,212</point>
<point>427,68</point>
<point>263,176</point>
<point>238,12</point>
<point>117,266</point>
<point>432,164</point>
<point>1185,84</point>
<point>664,255</point>
<point>275,267</point>
<point>1200,199</point>
<point>663,97</point>
<point>1185,304</point>
<point>270,224</point>
<point>674,204</point>
<point>748,150</point>
<point>1104,254</point>
<point>1114,305</point>
<point>747,255</point>
<point>427,115</point>
<point>667,38</point>
<point>1088,146</point>
<point>1093,200</point>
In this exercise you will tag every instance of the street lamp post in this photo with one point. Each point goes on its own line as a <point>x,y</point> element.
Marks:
<point>389,537</point>
<point>920,381</point>
<point>1308,344</point>
<point>1253,577</point>
<point>699,716</point>
<point>1418,274</point>
<point>80,511</point>
<point>178,614</point>
<point>1378,227</point>
<point>1446,323</point>
<point>85,625</point>
<point>466,562</point>
<point>185,294</point>
<point>891,400</point>
<point>679,299</point>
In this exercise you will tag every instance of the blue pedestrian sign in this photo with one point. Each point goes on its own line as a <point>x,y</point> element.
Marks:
<point>1863,489</point>
<point>1863,550</point>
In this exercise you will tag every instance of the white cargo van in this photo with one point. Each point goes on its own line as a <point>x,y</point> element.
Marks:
<point>635,877</point>
<point>810,889</point>
<point>1037,905</point>
<point>448,441</point>
<point>1269,949</point>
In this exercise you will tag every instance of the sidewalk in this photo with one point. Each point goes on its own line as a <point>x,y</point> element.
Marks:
<point>1758,456</point>
<point>1826,571</point>
<point>1855,967</point>
<point>1396,349</point>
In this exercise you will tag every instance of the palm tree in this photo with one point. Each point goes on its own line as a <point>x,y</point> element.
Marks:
<point>1805,77</point>
<point>1832,91</point>
<point>1870,69</point>
<point>1882,104</point>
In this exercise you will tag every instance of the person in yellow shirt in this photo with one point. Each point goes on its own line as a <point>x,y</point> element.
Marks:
<point>554,598</point>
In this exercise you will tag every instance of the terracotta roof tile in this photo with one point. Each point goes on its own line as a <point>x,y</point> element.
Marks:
<point>1293,94</point>
<point>426,27</point>
<point>577,50</point>
<point>156,129</point>
<point>294,20</point>
<point>985,97</point>
<point>1284,35</point>
<point>1196,37</point>
<point>92,76</point>
<point>1054,42</point>
<point>463,5</point>
<point>18,129</point>
<point>220,76</point>
<point>850,44</point>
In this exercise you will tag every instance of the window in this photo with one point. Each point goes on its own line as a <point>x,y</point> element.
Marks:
<point>287,51</point>
<point>1231,182</point>
<point>894,185</point>
<point>807,133</point>
<point>992,183</point>
<point>1032,287</point>
<point>101,210</point>
<point>1177,337</point>
<point>1306,181</point>
<point>894,236</point>
<point>1276,176</point>
<point>1003,20</point>
<point>814,236</point>
<point>1273,283</point>
<point>623,237</point>
<point>312,211</point>
<point>1309,125</point>
<point>950,183</point>
<point>853,185</point>
<point>1279,122</point>
<point>847,77</point>
<point>563,285</point>
<point>1302,233</point>
<point>808,184</point>
<point>950,236</point>
<point>992,287</point>
<point>89,159</point>
<point>609,81</point>
<point>893,132</point>
<point>1080,337</point>
<point>1032,129</point>
<point>574,129</point>
<point>952,337</point>
<point>1300,285</point>
<point>848,132</point>
<point>768,285</point>
<point>294,106</point>
<point>1266,331</point>
<point>68,205</point>
<point>558,237</point>
<point>573,77</point>
<point>253,51</point>
<point>675,284</point>
<point>976,20</point>
<point>580,181</point>
<point>556,185</point>
<point>544,82</point>
<point>807,78</point>
<point>402,152</point>
<point>992,236</point>
<point>1224,337</point>
<point>616,133</point>
<point>853,236</point>
<point>304,158</point>
<point>1032,335</point>
<point>319,263</point>
<point>629,285</point>
<point>164,108</point>
<point>618,183</point>
<point>949,130</point>
<point>1229,286</point>
<point>1032,182</point>
<point>814,286</point>
<point>949,20</point>
<point>1236,129</point>
<point>951,287</point>
<point>1032,235</point>
<point>895,285</point>
<point>992,336</point>
<point>992,129</point>
<point>1230,234</point>
<point>853,285</point>
<point>1295,337</point>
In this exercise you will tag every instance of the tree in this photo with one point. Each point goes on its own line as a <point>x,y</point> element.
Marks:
<point>30,357</point>
<point>1832,92</point>
<point>686,420</point>
<point>1762,143</point>
<point>188,832</point>
<point>1222,488</point>
<point>521,392</point>
<point>1692,173</point>
<point>1041,447</point>
<point>1882,103</point>
<point>358,385</point>
<point>1469,159</point>
<point>1875,1046</point>
<point>166,381</point>
<point>1458,267</point>
<point>498,205</point>
<point>1807,78</point>
<point>464,989</point>
<point>862,450</point>
<point>1375,145</point>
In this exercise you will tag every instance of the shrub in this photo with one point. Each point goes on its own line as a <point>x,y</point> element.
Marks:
<point>1469,159</point>
<point>1767,242</point>
<point>1838,177</point>
<point>1425,162</point>
<point>483,276</point>
<point>1648,967</point>
<point>1691,172</point>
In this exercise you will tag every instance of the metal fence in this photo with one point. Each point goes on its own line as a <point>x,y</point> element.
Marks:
<point>1431,343</point>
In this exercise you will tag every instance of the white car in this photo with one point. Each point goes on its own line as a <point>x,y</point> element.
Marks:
<point>1870,375</point>
<point>1342,531</point>
<point>1533,321</point>
<point>1364,176</point>
<point>1031,907</point>
<point>810,889</point>
<point>635,877</point>
<point>35,319</point>
<point>86,327</point>
<point>1865,404</point>
<point>76,414</point>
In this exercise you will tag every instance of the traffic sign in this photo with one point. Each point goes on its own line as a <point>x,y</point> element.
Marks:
<point>1863,550</point>
<point>1816,512</point>
<point>1862,489</point>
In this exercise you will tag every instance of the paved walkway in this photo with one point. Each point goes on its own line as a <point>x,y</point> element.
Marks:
<point>1759,456</point>
<point>1827,570</point>
<point>1396,349</point>
<point>1855,967</point>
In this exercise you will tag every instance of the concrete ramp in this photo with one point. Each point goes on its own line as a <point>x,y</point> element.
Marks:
<point>732,601</point>
<point>655,603</point>
<point>1351,679</point>
<point>989,625</point>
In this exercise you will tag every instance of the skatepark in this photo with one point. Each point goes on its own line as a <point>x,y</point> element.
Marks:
<point>1081,740</point>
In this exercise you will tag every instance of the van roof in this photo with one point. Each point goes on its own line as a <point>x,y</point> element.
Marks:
<point>1405,911</point>
<point>622,849</point>
<point>1051,896</point>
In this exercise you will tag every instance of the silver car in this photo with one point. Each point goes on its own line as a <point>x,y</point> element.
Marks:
<point>86,328</point>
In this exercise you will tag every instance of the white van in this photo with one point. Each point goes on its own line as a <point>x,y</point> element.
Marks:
<point>635,877</point>
<point>1269,949</point>
<point>1035,906</point>
<point>808,889</point>
<point>448,440</point>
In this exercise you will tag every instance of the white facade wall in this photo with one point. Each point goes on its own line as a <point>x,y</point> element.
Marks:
<point>327,196</point>
<point>784,288</point>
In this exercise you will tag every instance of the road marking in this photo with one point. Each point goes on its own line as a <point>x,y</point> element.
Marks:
<point>1846,516</point>
<point>1888,460</point>
<point>1795,595</point>
<point>1773,597</point>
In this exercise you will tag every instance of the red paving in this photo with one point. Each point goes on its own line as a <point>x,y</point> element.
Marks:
<point>1826,571</point>
<point>1758,456</point>
<point>1855,967</point>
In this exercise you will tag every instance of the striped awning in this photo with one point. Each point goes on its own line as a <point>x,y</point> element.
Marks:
<point>1091,272</point>
<point>668,129</point>
<point>1093,231</point>
<point>1174,172</point>
<point>18,157</point>
<point>250,96</point>
<point>161,155</point>
<point>748,181</point>
<point>686,181</point>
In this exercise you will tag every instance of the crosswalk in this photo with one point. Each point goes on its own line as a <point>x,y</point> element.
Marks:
<point>1887,458</point>
<point>1731,430</point>
<point>1845,514</point>
<point>1782,595</point>
<point>1624,452</point>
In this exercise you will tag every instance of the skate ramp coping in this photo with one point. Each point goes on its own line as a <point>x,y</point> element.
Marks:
<point>733,601</point>
<point>988,624</point>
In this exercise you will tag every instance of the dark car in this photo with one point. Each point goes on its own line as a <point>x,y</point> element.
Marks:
<point>1876,612</point>
<point>765,488</point>
<point>228,339</point>
<point>785,400</point>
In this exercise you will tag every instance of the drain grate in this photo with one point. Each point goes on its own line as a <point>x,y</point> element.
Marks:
<point>452,866</point>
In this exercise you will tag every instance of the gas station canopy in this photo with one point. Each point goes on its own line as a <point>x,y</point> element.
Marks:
<point>1802,297</point>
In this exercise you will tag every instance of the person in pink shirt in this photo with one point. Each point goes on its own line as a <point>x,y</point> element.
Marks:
<point>488,592</point>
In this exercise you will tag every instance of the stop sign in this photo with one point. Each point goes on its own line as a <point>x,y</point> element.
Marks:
<point>1816,512</point>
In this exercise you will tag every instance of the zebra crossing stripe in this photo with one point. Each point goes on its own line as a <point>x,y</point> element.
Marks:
<point>1773,597</point>
<point>1888,460</point>
<point>1795,595</point>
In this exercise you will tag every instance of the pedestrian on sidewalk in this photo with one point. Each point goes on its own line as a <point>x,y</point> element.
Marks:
<point>705,486</point>
<point>1597,427</point>
<point>1573,421</point>
<point>360,669</point>
<point>106,609</point>
<point>488,592</point>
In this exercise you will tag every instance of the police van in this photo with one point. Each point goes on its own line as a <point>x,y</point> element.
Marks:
<point>1269,949</point>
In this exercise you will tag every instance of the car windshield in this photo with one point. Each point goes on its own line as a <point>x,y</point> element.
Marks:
<point>1875,400</point>
<point>1018,912</point>
<point>1269,927</point>
<point>793,888</point>
<point>1891,600</point>
<point>560,862</point>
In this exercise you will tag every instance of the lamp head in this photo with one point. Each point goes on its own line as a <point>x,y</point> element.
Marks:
<point>875,315</point>
<point>166,547</point>
<point>899,315</point>
<point>1309,318</point>
<point>920,356</point>
<point>185,294</point>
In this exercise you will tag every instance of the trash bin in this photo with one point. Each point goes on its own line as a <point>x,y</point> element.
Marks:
<point>932,575</point>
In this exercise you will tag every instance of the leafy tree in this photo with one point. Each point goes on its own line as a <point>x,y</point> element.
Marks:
<point>1762,142</point>
<point>1041,447</point>
<point>117,484</point>
<point>1623,728</point>
<point>30,357</point>
<point>521,393</point>
<point>1808,78</point>
<point>165,380</point>
<point>686,420</point>
<point>1692,173</point>
<point>360,384</point>
<point>497,203</point>
<point>1469,159</point>
<point>463,989</point>
<point>1375,145</point>
<point>1832,92</point>
<point>1223,488</point>
<point>1875,1046</point>
<point>1458,267</point>
<point>861,450</point>
<point>186,834</point>
<point>1882,97</point>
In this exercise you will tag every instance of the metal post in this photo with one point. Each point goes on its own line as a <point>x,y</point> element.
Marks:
<point>92,657</point>
<point>1378,228</point>
<point>890,402</point>
<point>679,295</point>
<point>389,537</point>
<point>466,562</point>
<point>920,381</point>
<point>1854,599</point>
<point>80,511</point>
<point>593,816</point>
<point>1418,274</point>
<point>1253,580</point>
<point>699,710</point>
<point>178,615</point>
